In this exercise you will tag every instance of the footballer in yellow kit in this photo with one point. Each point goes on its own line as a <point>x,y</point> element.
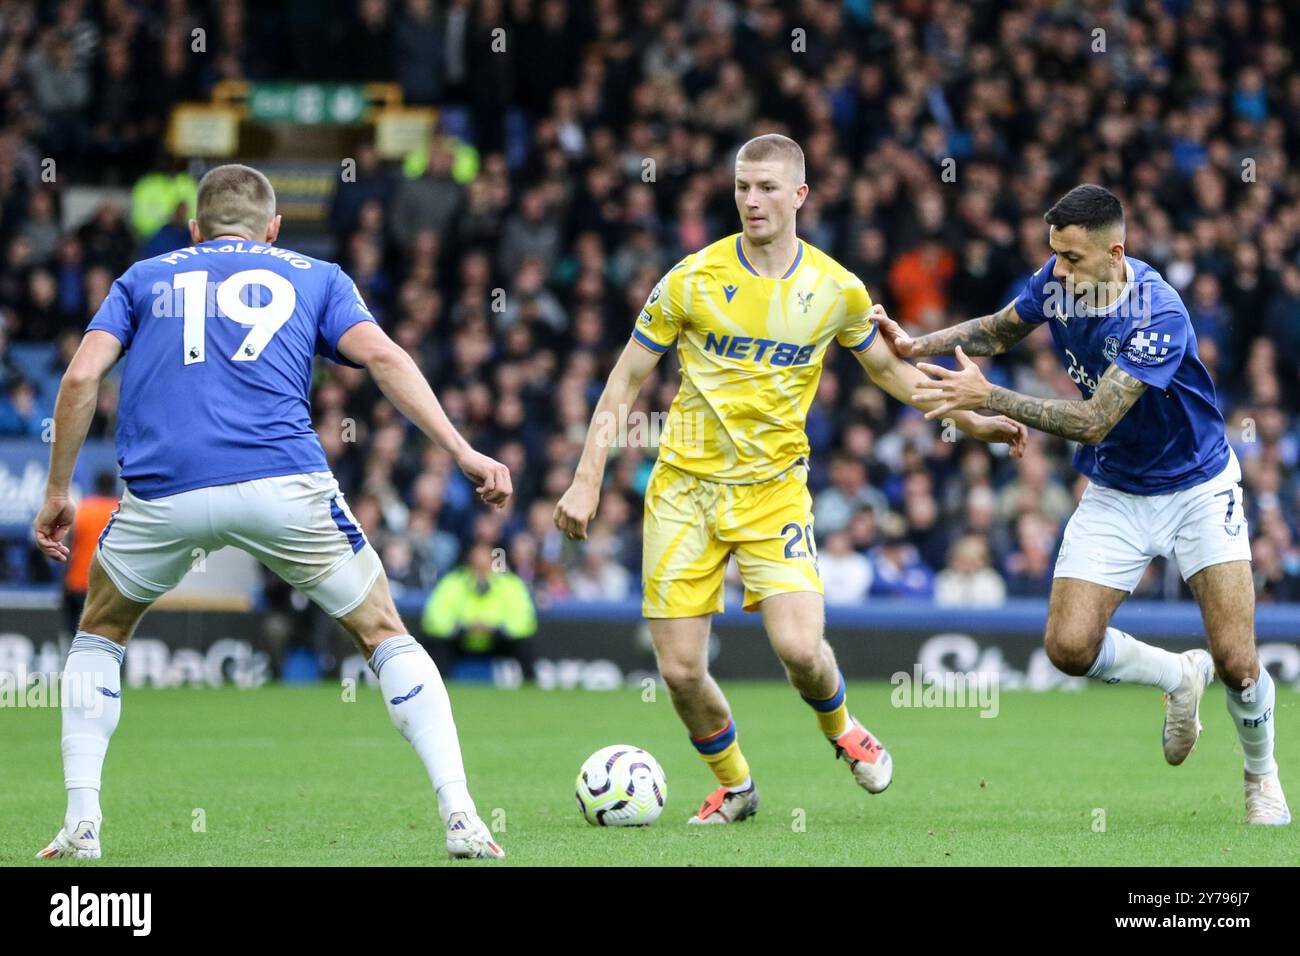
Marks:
<point>751,317</point>
<point>732,469</point>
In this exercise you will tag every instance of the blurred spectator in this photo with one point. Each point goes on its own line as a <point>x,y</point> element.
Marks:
<point>849,491</point>
<point>94,513</point>
<point>60,85</point>
<point>1274,581</point>
<point>1282,318</point>
<point>154,199</point>
<point>369,43</point>
<point>846,575</point>
<point>918,281</point>
<point>40,228</point>
<point>430,201</point>
<point>481,611</point>
<point>372,183</point>
<point>118,142</point>
<point>1029,566</point>
<point>20,413</point>
<point>418,53</point>
<point>405,567</point>
<point>107,240</point>
<point>529,233</point>
<point>174,234</point>
<point>602,577</point>
<point>1035,489</point>
<point>968,581</point>
<point>897,569</point>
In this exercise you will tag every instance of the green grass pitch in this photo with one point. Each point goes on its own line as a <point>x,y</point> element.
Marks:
<point>296,775</point>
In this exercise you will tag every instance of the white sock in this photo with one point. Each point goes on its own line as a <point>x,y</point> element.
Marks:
<point>1253,718</point>
<point>1124,658</point>
<point>420,709</point>
<point>91,699</point>
<point>744,785</point>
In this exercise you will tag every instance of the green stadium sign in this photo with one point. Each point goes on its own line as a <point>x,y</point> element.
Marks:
<point>306,104</point>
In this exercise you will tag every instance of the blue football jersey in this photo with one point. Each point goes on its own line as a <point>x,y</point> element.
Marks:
<point>220,340</point>
<point>1173,436</point>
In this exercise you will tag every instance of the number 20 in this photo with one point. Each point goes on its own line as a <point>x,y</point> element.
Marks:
<point>791,551</point>
<point>265,320</point>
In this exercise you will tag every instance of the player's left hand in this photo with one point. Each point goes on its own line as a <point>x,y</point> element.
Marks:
<point>965,388</point>
<point>1000,430</point>
<point>492,479</point>
<point>51,526</point>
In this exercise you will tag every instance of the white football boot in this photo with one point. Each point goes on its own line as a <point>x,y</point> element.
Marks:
<point>468,838</point>
<point>81,844</point>
<point>1265,802</point>
<point>1183,706</point>
<point>867,757</point>
<point>725,806</point>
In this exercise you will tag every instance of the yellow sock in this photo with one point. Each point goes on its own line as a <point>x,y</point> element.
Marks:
<point>721,751</point>
<point>832,712</point>
<point>834,722</point>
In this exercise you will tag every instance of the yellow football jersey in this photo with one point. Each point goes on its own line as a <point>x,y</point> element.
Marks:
<point>751,351</point>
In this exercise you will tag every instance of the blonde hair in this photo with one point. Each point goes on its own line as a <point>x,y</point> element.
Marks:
<point>234,199</point>
<point>777,147</point>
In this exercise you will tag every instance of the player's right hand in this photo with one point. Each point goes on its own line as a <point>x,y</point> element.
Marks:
<point>492,478</point>
<point>898,340</point>
<point>51,526</point>
<point>576,508</point>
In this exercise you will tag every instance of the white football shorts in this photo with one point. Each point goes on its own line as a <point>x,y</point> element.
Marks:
<point>299,526</point>
<point>1112,536</point>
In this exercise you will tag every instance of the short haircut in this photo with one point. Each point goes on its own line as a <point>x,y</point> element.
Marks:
<point>1088,206</point>
<point>777,147</point>
<point>234,199</point>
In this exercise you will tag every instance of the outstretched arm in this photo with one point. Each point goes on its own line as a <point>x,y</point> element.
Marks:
<point>987,335</point>
<point>402,383</point>
<point>73,411</point>
<point>903,380</point>
<point>1085,420</point>
<point>578,505</point>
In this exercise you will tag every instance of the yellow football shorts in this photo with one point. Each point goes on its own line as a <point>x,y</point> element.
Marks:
<point>692,526</point>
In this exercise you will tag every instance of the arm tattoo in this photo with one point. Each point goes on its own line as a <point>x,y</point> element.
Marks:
<point>987,335</point>
<point>1087,421</point>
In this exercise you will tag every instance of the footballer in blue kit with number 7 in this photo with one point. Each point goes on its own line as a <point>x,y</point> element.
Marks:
<point>1163,480</point>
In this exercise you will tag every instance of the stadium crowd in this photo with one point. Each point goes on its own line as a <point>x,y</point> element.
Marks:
<point>936,134</point>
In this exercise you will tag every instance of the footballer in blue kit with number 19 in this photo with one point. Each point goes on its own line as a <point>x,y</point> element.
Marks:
<point>1163,480</point>
<point>215,443</point>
